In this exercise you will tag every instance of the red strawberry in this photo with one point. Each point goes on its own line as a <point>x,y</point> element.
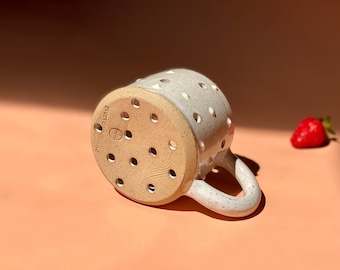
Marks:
<point>312,132</point>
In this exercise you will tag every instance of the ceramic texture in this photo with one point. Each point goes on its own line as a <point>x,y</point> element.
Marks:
<point>157,139</point>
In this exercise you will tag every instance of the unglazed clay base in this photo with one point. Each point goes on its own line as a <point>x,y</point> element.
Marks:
<point>144,145</point>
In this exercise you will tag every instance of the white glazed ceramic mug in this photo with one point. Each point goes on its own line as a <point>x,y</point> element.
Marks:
<point>157,139</point>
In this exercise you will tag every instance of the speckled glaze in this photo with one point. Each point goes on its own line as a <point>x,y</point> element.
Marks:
<point>190,115</point>
<point>201,102</point>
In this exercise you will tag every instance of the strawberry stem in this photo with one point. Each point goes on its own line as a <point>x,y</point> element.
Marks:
<point>326,122</point>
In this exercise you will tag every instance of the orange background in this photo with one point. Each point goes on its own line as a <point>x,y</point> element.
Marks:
<point>276,62</point>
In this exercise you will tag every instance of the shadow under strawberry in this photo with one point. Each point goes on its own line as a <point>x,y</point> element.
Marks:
<point>327,142</point>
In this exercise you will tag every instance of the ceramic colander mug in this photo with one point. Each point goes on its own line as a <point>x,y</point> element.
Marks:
<point>157,138</point>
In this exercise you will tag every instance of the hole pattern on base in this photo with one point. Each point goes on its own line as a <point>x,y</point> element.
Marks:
<point>133,162</point>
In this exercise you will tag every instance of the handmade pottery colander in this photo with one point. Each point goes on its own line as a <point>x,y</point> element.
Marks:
<point>157,138</point>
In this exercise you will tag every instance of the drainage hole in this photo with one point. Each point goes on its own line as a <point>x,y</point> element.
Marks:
<point>153,151</point>
<point>135,103</point>
<point>223,143</point>
<point>156,86</point>
<point>172,174</point>
<point>151,188</point>
<point>172,145</point>
<point>98,127</point>
<point>197,118</point>
<point>202,85</point>
<point>215,87</point>
<point>212,112</point>
<point>185,96</point>
<point>119,182</point>
<point>111,157</point>
<point>164,80</point>
<point>128,134</point>
<point>201,144</point>
<point>214,170</point>
<point>125,116</point>
<point>133,162</point>
<point>229,122</point>
<point>154,117</point>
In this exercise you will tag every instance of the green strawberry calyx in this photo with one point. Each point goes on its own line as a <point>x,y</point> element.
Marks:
<point>326,122</point>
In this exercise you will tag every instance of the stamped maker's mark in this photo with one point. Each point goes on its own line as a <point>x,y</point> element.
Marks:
<point>105,118</point>
<point>116,134</point>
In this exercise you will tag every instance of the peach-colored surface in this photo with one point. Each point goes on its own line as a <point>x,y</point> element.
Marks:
<point>59,212</point>
<point>277,62</point>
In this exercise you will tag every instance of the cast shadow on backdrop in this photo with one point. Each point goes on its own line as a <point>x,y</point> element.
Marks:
<point>224,181</point>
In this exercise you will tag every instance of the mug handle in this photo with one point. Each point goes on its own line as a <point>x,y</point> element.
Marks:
<point>223,203</point>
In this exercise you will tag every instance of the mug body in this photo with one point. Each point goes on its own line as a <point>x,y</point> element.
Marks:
<point>152,138</point>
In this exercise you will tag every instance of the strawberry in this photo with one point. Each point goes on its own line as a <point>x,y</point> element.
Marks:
<point>312,132</point>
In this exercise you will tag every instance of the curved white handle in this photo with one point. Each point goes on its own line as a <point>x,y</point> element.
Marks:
<point>223,203</point>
